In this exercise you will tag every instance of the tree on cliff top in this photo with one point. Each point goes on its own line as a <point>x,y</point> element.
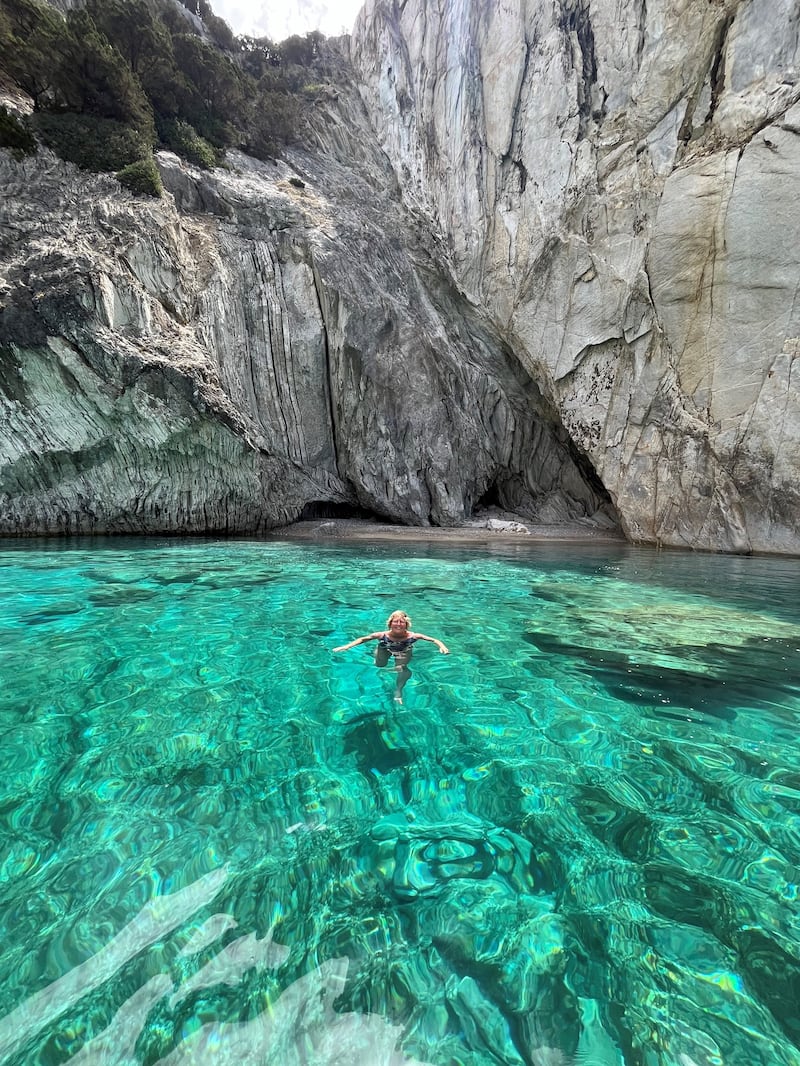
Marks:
<point>144,64</point>
<point>31,40</point>
<point>95,79</point>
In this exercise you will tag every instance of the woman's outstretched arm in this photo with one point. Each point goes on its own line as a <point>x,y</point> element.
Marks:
<point>433,640</point>
<point>358,640</point>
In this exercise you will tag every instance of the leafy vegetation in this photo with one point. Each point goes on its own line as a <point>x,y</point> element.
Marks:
<point>142,178</point>
<point>15,136</point>
<point>113,79</point>
<point>89,141</point>
<point>185,141</point>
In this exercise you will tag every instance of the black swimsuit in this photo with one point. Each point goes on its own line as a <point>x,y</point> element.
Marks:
<point>396,647</point>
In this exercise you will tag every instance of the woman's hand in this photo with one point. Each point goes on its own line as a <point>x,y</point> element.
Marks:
<point>444,650</point>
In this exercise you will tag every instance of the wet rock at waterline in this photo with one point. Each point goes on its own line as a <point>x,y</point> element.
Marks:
<point>542,258</point>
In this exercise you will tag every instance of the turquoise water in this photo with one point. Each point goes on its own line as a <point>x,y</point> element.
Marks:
<point>576,843</point>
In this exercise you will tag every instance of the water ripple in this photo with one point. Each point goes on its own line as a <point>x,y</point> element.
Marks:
<point>576,843</point>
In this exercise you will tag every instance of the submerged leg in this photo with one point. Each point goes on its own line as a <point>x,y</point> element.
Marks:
<point>403,674</point>
<point>381,656</point>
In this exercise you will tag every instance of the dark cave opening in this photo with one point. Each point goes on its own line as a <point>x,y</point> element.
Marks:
<point>316,509</point>
<point>502,492</point>
<point>490,498</point>
<point>591,477</point>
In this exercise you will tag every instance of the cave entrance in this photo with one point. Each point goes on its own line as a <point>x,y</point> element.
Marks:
<point>317,509</point>
<point>577,493</point>
<point>490,498</point>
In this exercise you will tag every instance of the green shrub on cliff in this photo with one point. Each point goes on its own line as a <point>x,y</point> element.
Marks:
<point>15,136</point>
<point>95,79</point>
<point>92,143</point>
<point>32,41</point>
<point>274,126</point>
<point>70,65</point>
<point>152,65</point>
<point>142,178</point>
<point>186,142</point>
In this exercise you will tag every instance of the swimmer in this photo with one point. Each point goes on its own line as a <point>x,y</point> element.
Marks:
<point>396,642</point>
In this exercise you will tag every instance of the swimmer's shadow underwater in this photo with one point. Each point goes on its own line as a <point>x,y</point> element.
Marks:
<point>376,742</point>
<point>379,750</point>
<point>717,687</point>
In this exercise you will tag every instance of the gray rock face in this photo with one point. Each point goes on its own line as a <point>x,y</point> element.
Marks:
<point>255,344</point>
<point>545,260</point>
<point>115,414</point>
<point>613,185</point>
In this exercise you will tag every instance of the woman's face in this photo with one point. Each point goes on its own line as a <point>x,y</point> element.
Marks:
<point>397,621</point>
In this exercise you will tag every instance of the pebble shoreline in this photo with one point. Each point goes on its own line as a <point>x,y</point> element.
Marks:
<point>351,529</point>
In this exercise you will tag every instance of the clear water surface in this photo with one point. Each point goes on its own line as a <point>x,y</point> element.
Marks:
<point>575,844</point>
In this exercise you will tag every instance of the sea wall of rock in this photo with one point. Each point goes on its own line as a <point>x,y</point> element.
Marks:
<point>612,184</point>
<point>266,340</point>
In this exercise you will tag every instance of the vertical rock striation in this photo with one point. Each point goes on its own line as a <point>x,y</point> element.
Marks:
<point>612,184</point>
<point>266,339</point>
<point>126,355</point>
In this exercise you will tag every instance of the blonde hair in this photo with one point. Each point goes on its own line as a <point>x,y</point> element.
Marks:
<point>398,614</point>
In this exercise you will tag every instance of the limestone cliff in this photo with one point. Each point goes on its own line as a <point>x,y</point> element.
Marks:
<point>545,259</point>
<point>264,340</point>
<point>614,185</point>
